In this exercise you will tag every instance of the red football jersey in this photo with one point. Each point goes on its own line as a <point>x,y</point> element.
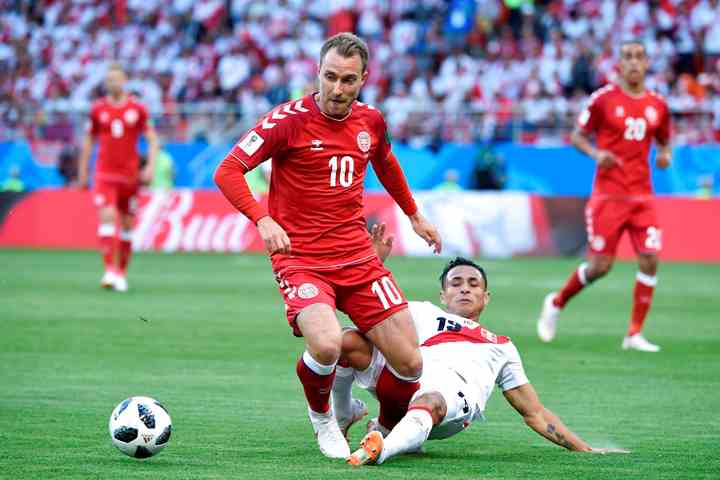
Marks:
<point>118,128</point>
<point>318,172</point>
<point>625,126</point>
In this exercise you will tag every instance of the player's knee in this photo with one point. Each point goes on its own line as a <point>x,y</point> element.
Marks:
<point>434,403</point>
<point>410,367</point>
<point>648,264</point>
<point>599,269</point>
<point>356,350</point>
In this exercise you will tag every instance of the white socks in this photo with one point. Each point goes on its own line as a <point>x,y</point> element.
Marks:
<point>342,392</point>
<point>408,435</point>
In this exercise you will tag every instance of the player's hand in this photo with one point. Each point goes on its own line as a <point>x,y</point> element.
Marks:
<point>663,159</point>
<point>605,451</point>
<point>275,238</point>
<point>81,183</point>
<point>606,159</point>
<point>426,231</point>
<point>146,176</point>
<point>381,243</point>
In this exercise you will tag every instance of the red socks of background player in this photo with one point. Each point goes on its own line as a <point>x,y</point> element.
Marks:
<point>317,380</point>
<point>125,246</point>
<point>642,299</point>
<point>576,282</point>
<point>394,394</point>
<point>109,245</point>
<point>106,236</point>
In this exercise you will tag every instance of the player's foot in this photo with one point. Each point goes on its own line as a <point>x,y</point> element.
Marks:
<point>359,410</point>
<point>639,343</point>
<point>370,449</point>
<point>121,284</point>
<point>374,425</point>
<point>108,279</point>
<point>329,437</point>
<point>547,323</point>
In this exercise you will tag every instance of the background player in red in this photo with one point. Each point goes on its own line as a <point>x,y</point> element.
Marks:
<point>624,118</point>
<point>117,121</point>
<point>316,233</point>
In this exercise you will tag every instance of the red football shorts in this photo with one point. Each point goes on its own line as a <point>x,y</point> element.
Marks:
<point>608,218</point>
<point>366,292</point>
<point>117,194</point>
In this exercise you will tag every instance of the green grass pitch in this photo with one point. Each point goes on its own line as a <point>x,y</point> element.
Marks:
<point>216,350</point>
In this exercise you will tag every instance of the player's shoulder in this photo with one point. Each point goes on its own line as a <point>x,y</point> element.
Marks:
<point>603,92</point>
<point>369,111</point>
<point>287,114</point>
<point>98,104</point>
<point>135,102</point>
<point>656,97</point>
<point>420,310</point>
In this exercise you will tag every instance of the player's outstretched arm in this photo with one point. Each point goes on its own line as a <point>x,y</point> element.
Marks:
<point>381,243</point>
<point>524,399</point>
<point>153,147</point>
<point>664,156</point>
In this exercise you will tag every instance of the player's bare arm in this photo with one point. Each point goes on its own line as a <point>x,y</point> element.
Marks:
<point>664,156</point>
<point>148,171</point>
<point>85,151</point>
<point>583,143</point>
<point>275,238</point>
<point>525,400</point>
<point>426,231</point>
<point>381,243</point>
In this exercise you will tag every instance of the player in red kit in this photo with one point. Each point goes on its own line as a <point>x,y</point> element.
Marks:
<point>624,119</point>
<point>117,121</point>
<point>316,233</point>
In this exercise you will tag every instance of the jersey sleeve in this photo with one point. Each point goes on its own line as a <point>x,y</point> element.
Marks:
<point>512,374</point>
<point>591,116</point>
<point>389,172</point>
<point>265,140</point>
<point>424,316</point>
<point>144,120</point>
<point>662,134</point>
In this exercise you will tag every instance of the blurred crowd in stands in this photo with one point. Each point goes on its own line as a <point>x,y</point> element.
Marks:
<point>441,70</point>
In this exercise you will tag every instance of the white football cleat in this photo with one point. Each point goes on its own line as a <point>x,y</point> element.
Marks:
<point>639,343</point>
<point>547,323</point>
<point>108,279</point>
<point>330,439</point>
<point>121,284</point>
<point>359,410</point>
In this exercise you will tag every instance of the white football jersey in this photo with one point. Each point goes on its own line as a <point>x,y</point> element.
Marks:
<point>479,357</point>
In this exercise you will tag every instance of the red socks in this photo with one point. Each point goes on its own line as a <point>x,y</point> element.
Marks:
<point>574,284</point>
<point>317,380</point>
<point>125,250</point>
<point>642,299</point>
<point>106,236</point>
<point>394,395</point>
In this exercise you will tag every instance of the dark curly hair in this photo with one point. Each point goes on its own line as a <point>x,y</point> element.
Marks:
<point>458,261</point>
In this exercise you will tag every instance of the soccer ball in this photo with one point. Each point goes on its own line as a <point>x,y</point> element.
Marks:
<point>140,427</point>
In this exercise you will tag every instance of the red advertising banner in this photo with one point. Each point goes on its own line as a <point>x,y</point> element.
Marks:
<point>491,224</point>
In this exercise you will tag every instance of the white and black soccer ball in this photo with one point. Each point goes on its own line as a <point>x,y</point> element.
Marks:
<point>140,427</point>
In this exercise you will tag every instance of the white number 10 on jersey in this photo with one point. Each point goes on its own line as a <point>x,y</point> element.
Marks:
<point>347,166</point>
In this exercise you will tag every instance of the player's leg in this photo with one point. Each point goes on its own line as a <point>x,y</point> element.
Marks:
<point>646,239</point>
<point>372,299</point>
<point>356,355</point>
<point>316,371</point>
<point>104,197</point>
<point>408,435</point>
<point>605,222</point>
<point>124,250</point>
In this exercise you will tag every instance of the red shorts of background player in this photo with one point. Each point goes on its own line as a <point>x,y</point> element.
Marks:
<point>117,194</point>
<point>608,217</point>
<point>366,292</point>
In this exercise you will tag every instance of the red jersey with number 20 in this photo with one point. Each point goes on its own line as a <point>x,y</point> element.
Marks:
<point>118,127</point>
<point>318,172</point>
<point>625,126</point>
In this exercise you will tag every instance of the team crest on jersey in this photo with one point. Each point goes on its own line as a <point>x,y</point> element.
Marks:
<point>307,290</point>
<point>104,117</point>
<point>131,116</point>
<point>651,114</point>
<point>619,111</point>
<point>364,141</point>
